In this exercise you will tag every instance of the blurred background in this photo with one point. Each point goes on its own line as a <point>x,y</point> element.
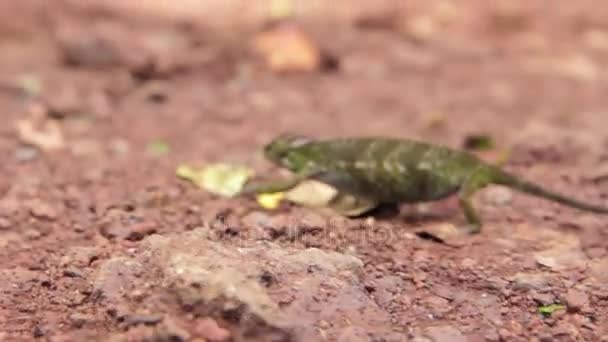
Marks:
<point>232,74</point>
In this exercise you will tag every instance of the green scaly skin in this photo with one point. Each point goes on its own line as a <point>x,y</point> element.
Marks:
<point>384,170</point>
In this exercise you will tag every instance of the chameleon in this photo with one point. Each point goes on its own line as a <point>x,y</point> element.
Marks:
<point>378,170</point>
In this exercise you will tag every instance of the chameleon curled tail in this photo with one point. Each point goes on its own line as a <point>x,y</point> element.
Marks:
<point>530,188</point>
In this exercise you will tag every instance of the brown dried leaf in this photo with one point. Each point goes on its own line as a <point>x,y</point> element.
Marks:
<point>286,47</point>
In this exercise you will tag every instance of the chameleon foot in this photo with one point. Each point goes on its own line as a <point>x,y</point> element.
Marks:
<point>472,228</point>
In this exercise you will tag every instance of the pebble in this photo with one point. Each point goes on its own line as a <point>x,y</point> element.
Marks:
<point>26,153</point>
<point>43,210</point>
<point>445,333</point>
<point>136,319</point>
<point>72,273</point>
<point>576,300</point>
<point>256,219</point>
<point>496,283</point>
<point>32,234</point>
<point>543,298</point>
<point>499,196</point>
<point>599,270</point>
<point>444,292</point>
<point>505,335</point>
<point>531,280</point>
<point>559,258</point>
<point>134,231</point>
<point>175,331</point>
<point>4,223</point>
<point>78,319</point>
<point>80,256</point>
<point>353,334</point>
<point>39,331</point>
<point>208,329</point>
<point>492,336</point>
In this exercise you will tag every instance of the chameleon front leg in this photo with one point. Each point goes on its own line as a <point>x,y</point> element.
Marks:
<point>276,185</point>
<point>476,181</point>
<point>270,186</point>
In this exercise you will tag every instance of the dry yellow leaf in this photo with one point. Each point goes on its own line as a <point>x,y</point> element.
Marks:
<point>270,201</point>
<point>221,179</point>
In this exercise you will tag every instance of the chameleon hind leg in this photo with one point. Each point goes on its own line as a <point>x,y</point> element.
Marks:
<point>475,182</point>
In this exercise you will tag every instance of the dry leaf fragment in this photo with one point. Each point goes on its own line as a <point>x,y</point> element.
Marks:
<point>40,131</point>
<point>221,179</point>
<point>270,201</point>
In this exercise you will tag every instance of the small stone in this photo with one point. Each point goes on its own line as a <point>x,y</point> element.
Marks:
<point>4,223</point>
<point>313,220</point>
<point>558,314</point>
<point>499,196</point>
<point>545,337</point>
<point>543,298</point>
<point>43,210</point>
<point>135,319</point>
<point>26,153</point>
<point>72,273</point>
<point>492,336</point>
<point>119,147</point>
<point>505,335</point>
<point>256,219</point>
<point>39,331</point>
<point>576,300</point>
<point>80,256</point>
<point>133,231</point>
<point>445,333</point>
<point>468,263</point>
<point>114,278</point>
<point>88,50</point>
<point>85,147</point>
<point>475,337</point>
<point>78,320</point>
<point>353,334</point>
<point>10,206</point>
<point>531,280</point>
<point>561,258</point>
<point>496,283</point>
<point>175,331</point>
<point>436,304</point>
<point>323,324</point>
<point>138,295</point>
<point>32,234</point>
<point>599,270</point>
<point>566,330</point>
<point>421,339</point>
<point>208,329</point>
<point>444,292</point>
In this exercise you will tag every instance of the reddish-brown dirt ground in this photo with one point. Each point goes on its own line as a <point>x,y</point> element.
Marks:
<point>99,240</point>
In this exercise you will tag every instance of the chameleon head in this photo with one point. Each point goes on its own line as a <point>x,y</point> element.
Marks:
<point>279,149</point>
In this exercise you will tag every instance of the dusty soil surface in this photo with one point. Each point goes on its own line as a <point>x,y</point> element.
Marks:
<point>101,241</point>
